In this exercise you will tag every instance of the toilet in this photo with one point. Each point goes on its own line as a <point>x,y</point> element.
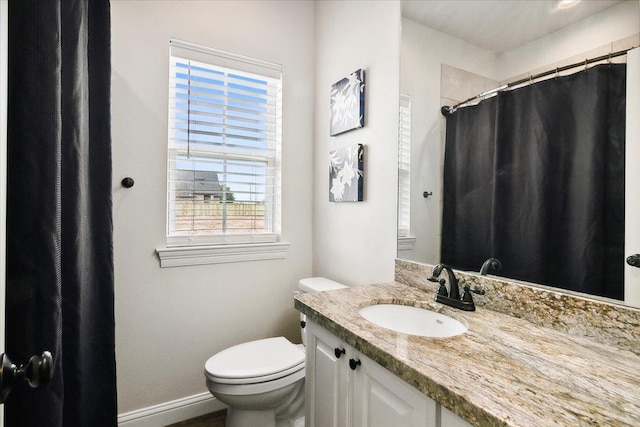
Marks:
<point>262,381</point>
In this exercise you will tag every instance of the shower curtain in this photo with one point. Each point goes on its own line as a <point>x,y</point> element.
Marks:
<point>59,218</point>
<point>535,177</point>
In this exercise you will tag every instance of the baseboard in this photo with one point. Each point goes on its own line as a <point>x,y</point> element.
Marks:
<point>171,412</point>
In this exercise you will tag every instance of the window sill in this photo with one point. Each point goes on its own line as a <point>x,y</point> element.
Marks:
<point>220,254</point>
<point>406,243</point>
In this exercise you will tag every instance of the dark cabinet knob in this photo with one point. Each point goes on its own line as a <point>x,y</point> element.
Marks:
<point>36,372</point>
<point>303,324</point>
<point>634,260</point>
<point>354,363</point>
<point>338,352</point>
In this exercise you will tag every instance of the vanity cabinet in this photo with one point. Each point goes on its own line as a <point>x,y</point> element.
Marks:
<point>347,389</point>
<point>382,399</point>
<point>449,419</point>
<point>328,379</point>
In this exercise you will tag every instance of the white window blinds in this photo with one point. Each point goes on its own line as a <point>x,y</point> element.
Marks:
<point>404,166</point>
<point>224,147</point>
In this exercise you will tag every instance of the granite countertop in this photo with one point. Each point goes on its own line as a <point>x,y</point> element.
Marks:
<point>502,371</point>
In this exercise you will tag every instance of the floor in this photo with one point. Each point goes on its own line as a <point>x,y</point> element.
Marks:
<point>215,419</point>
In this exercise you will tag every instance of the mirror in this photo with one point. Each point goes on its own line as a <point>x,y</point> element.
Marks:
<point>452,51</point>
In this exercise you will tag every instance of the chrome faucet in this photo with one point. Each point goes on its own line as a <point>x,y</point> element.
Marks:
<point>452,297</point>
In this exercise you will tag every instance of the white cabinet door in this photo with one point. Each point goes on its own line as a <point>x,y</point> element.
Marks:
<point>367,396</point>
<point>382,400</point>
<point>449,419</point>
<point>328,380</point>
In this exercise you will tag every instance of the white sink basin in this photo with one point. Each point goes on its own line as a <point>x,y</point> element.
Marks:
<point>413,320</point>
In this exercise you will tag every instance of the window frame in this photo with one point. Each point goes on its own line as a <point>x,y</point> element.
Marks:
<point>190,249</point>
<point>405,240</point>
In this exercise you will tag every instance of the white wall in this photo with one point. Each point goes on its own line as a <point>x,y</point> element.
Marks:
<point>355,243</point>
<point>170,320</point>
<point>608,26</point>
<point>632,175</point>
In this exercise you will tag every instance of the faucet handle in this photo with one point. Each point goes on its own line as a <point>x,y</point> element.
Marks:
<point>466,295</point>
<point>477,291</point>
<point>442,289</point>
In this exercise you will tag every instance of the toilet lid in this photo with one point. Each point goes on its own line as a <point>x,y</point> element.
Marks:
<point>255,359</point>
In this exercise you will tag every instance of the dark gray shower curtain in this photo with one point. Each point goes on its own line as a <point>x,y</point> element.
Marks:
<point>59,219</point>
<point>535,178</point>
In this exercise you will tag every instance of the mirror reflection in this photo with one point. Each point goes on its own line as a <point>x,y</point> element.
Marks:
<point>452,51</point>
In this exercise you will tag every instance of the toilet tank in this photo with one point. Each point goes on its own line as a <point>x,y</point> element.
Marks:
<point>318,284</point>
<point>312,285</point>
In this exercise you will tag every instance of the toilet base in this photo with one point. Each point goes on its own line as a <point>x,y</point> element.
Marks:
<point>267,418</point>
<point>282,407</point>
<point>244,418</point>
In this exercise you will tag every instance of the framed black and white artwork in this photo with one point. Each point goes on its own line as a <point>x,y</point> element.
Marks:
<point>347,104</point>
<point>346,174</point>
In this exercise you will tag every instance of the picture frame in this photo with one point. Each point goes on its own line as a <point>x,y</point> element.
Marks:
<point>346,103</point>
<point>346,174</point>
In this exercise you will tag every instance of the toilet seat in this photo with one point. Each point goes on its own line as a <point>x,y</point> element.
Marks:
<point>247,389</point>
<point>255,362</point>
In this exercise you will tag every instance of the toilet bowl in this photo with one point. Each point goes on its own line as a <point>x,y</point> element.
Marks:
<point>262,381</point>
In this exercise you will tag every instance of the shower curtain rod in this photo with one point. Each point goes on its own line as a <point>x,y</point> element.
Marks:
<point>449,110</point>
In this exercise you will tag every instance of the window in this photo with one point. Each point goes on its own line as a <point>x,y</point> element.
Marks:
<point>404,166</point>
<point>224,148</point>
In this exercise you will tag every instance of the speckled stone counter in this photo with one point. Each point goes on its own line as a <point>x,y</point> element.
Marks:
<point>604,320</point>
<point>504,370</point>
